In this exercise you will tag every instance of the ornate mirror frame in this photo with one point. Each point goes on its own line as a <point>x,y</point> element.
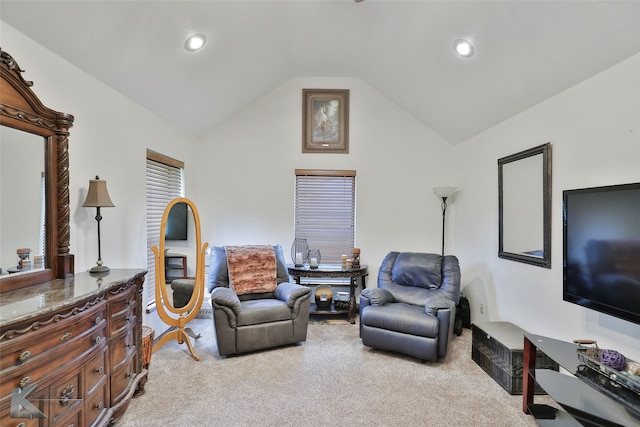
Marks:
<point>21,109</point>
<point>524,206</point>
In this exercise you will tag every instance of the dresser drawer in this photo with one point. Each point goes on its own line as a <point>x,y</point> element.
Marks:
<point>122,378</point>
<point>28,347</point>
<point>97,403</point>
<point>120,347</point>
<point>95,371</point>
<point>90,340</point>
<point>66,397</point>
<point>72,419</point>
<point>121,310</point>
<point>122,320</point>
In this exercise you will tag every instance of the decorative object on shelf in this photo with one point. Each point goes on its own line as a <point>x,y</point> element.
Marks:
<point>444,193</point>
<point>98,197</point>
<point>23,258</point>
<point>299,251</point>
<point>344,261</point>
<point>608,363</point>
<point>349,263</point>
<point>356,258</point>
<point>324,296</point>
<point>314,258</point>
<point>613,359</point>
<point>341,300</point>
<point>325,121</point>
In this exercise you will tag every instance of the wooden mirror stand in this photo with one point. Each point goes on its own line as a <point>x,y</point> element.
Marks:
<point>178,317</point>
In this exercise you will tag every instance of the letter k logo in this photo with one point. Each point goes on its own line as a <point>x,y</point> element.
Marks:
<point>21,407</point>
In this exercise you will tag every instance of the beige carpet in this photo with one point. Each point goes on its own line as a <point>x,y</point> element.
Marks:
<point>331,379</point>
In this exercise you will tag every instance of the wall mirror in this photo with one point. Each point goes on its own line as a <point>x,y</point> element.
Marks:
<point>524,206</point>
<point>28,127</point>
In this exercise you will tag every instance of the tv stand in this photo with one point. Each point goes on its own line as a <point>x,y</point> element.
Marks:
<point>582,402</point>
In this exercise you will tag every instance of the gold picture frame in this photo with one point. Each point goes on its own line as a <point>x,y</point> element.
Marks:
<point>325,121</point>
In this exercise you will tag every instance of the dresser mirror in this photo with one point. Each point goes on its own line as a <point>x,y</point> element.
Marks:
<point>34,202</point>
<point>524,194</point>
<point>21,178</point>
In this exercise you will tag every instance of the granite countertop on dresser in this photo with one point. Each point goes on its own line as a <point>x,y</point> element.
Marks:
<point>39,299</point>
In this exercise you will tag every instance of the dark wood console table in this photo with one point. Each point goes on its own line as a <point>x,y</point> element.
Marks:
<point>334,271</point>
<point>583,402</point>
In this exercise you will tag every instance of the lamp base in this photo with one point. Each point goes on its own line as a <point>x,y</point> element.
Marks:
<point>99,269</point>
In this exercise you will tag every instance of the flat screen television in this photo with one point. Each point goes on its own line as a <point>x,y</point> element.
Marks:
<point>177,222</point>
<point>602,249</point>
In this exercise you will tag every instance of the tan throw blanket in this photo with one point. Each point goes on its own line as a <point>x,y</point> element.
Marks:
<point>252,269</point>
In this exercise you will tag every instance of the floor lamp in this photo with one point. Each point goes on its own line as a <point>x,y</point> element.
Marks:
<point>98,197</point>
<point>444,193</point>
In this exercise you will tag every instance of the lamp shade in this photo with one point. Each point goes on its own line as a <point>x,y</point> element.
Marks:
<point>98,196</point>
<point>445,191</point>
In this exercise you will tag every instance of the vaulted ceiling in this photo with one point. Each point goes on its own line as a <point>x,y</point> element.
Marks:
<point>526,51</point>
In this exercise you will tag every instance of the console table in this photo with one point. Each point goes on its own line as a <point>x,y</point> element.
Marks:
<point>583,403</point>
<point>334,271</point>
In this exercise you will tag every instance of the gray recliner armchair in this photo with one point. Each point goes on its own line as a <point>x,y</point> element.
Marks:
<point>412,311</point>
<point>257,320</point>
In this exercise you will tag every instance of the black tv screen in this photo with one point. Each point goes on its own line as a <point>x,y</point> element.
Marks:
<point>177,222</point>
<point>602,249</point>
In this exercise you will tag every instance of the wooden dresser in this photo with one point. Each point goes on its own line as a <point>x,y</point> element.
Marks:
<point>72,348</point>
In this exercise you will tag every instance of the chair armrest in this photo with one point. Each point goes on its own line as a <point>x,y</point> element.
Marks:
<point>292,292</point>
<point>377,296</point>
<point>225,298</point>
<point>438,301</point>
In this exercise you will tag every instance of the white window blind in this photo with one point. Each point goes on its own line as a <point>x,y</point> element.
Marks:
<point>165,182</point>
<point>325,211</point>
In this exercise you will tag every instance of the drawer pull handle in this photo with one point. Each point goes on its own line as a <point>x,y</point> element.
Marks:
<point>98,320</point>
<point>99,406</point>
<point>21,425</point>
<point>131,375</point>
<point>66,336</point>
<point>25,382</point>
<point>26,355</point>
<point>97,340</point>
<point>67,394</point>
<point>100,370</point>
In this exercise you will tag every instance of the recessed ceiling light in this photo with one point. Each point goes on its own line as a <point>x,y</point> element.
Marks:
<point>195,42</point>
<point>463,48</point>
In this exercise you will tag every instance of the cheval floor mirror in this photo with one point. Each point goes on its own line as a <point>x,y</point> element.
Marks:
<point>178,317</point>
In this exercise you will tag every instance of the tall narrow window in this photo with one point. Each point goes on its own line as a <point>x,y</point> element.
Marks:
<point>325,211</point>
<point>165,182</point>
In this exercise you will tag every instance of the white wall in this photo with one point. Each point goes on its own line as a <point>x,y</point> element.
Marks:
<point>594,129</point>
<point>246,173</point>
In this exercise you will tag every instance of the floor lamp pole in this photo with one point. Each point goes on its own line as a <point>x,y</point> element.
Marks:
<point>444,210</point>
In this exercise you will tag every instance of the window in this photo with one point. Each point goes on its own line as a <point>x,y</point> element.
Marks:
<point>165,182</point>
<point>325,211</point>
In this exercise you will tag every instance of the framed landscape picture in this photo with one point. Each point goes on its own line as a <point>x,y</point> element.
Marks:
<point>325,121</point>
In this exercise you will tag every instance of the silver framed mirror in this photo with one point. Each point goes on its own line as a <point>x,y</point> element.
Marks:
<point>524,206</point>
